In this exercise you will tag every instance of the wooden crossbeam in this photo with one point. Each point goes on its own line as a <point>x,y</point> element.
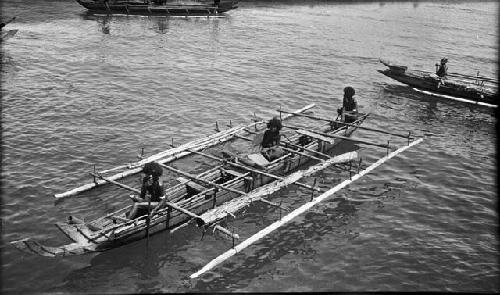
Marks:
<point>349,124</point>
<point>199,180</point>
<point>116,183</point>
<point>252,170</point>
<point>324,137</point>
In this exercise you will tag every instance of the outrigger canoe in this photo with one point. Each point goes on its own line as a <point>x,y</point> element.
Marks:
<point>206,199</point>
<point>159,8</point>
<point>474,89</point>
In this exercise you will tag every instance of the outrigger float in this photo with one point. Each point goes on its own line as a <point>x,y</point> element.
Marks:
<point>470,89</point>
<point>208,198</point>
<point>159,7</point>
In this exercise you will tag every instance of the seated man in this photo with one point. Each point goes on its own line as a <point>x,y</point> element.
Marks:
<point>270,145</point>
<point>267,145</point>
<point>151,191</point>
<point>349,109</point>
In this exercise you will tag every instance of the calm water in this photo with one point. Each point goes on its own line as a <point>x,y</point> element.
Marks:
<point>79,90</point>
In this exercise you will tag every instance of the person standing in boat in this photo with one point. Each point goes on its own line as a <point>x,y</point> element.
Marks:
<point>151,191</point>
<point>442,71</point>
<point>349,110</point>
<point>271,140</point>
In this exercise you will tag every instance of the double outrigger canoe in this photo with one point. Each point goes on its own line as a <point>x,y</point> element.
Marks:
<point>473,89</point>
<point>206,199</point>
<point>159,8</point>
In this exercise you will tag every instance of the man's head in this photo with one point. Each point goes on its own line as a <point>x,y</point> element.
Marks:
<point>152,169</point>
<point>349,91</point>
<point>274,124</point>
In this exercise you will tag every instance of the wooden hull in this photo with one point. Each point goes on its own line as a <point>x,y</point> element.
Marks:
<point>114,230</point>
<point>471,89</point>
<point>168,9</point>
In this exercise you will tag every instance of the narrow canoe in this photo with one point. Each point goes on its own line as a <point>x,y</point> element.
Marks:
<point>476,89</point>
<point>158,8</point>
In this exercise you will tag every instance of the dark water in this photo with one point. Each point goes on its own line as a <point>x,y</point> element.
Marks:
<point>79,90</point>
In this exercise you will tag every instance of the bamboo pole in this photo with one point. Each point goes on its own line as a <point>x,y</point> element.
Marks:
<point>250,169</point>
<point>324,136</point>
<point>197,179</point>
<point>180,152</point>
<point>349,124</point>
<point>262,233</point>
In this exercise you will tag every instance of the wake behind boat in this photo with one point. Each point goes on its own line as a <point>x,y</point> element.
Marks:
<point>474,89</point>
<point>208,198</point>
<point>159,7</point>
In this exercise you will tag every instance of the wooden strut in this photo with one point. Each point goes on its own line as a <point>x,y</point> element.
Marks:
<point>322,136</point>
<point>250,169</point>
<point>348,124</point>
<point>286,149</point>
<point>169,204</point>
<point>262,233</point>
<point>199,180</point>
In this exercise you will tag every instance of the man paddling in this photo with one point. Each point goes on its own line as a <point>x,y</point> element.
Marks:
<point>349,110</point>
<point>151,191</point>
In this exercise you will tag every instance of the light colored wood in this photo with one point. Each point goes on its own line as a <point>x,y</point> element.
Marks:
<point>264,232</point>
<point>325,136</point>
<point>237,204</point>
<point>197,179</point>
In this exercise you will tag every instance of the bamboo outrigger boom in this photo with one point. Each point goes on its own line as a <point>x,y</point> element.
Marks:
<point>172,154</point>
<point>221,258</point>
<point>347,124</point>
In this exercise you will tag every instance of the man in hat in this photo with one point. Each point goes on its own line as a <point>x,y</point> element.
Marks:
<point>442,71</point>
<point>151,191</point>
<point>271,140</point>
<point>349,109</point>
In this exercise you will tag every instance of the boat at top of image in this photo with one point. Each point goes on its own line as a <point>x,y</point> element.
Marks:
<point>474,89</point>
<point>160,7</point>
<point>235,181</point>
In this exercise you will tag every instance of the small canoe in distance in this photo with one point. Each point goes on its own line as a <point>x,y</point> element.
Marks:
<point>475,89</point>
<point>159,8</point>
